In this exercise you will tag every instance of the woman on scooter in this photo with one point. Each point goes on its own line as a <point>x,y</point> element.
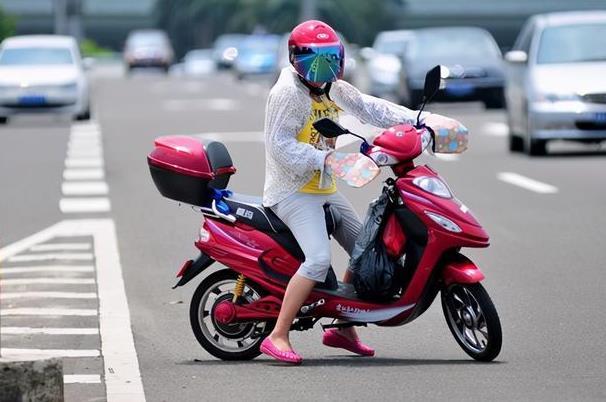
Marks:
<point>297,185</point>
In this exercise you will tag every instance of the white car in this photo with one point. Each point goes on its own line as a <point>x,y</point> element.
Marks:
<point>42,74</point>
<point>556,81</point>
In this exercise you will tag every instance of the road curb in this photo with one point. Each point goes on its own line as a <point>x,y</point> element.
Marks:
<point>30,378</point>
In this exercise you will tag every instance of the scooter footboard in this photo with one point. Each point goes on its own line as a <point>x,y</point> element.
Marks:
<point>460,269</point>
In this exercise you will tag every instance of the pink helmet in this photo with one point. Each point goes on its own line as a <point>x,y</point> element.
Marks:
<point>316,52</point>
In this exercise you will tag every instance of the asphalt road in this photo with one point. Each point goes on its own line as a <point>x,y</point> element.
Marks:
<point>544,269</point>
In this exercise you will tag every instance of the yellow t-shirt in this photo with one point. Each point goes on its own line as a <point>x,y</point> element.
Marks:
<point>320,108</point>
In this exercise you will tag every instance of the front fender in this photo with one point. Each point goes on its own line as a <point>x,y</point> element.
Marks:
<point>460,269</point>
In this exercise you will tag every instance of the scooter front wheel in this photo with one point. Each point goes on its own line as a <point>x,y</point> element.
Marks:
<point>473,320</point>
<point>240,341</point>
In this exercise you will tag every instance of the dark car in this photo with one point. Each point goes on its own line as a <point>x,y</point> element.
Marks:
<point>148,48</point>
<point>474,65</point>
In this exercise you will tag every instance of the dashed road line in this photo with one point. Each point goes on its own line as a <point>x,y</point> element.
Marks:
<point>50,268</point>
<point>83,174</point>
<point>61,247</point>
<point>83,162</point>
<point>85,188</point>
<point>47,281</point>
<point>527,183</point>
<point>52,257</point>
<point>51,352</point>
<point>49,311</point>
<point>495,129</point>
<point>84,205</point>
<point>47,295</point>
<point>48,331</point>
<point>121,377</point>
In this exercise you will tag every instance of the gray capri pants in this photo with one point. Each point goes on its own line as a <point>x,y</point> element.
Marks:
<point>303,213</point>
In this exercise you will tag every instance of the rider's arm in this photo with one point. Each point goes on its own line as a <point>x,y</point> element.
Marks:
<point>369,109</point>
<point>286,114</point>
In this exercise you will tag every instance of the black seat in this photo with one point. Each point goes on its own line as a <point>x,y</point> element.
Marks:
<point>250,210</point>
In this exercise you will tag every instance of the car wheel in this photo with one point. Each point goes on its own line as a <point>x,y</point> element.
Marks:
<point>3,120</point>
<point>516,143</point>
<point>494,100</point>
<point>83,116</point>
<point>533,146</point>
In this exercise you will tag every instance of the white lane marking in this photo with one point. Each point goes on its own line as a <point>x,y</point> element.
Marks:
<point>52,257</point>
<point>50,268</point>
<point>216,104</point>
<point>47,295</point>
<point>48,331</point>
<point>83,162</point>
<point>496,129</point>
<point>81,205</point>
<point>122,375</point>
<point>41,311</point>
<point>7,352</point>
<point>85,188</point>
<point>448,157</point>
<point>82,379</point>
<point>84,143</point>
<point>233,136</point>
<point>61,247</point>
<point>527,183</point>
<point>83,174</point>
<point>84,153</point>
<point>47,281</point>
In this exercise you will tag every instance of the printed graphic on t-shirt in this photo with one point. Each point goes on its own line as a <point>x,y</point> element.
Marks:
<point>320,108</point>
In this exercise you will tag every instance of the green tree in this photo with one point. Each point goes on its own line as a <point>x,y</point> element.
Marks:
<point>195,23</point>
<point>7,25</point>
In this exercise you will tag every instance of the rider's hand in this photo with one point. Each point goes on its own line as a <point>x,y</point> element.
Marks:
<point>437,121</point>
<point>450,135</point>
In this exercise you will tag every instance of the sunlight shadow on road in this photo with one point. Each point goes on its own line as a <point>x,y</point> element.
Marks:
<point>349,361</point>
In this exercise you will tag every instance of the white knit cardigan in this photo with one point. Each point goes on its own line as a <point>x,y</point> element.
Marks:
<point>289,164</point>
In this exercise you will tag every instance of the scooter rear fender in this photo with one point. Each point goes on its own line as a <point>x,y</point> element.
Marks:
<point>191,269</point>
<point>460,269</point>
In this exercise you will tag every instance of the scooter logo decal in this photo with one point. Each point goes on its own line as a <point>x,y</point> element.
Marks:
<point>245,213</point>
<point>367,315</point>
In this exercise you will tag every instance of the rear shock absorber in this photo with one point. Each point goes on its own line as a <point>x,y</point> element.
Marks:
<point>239,288</point>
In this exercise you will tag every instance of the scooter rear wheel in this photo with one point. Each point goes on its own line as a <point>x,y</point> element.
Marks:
<point>225,341</point>
<point>473,320</point>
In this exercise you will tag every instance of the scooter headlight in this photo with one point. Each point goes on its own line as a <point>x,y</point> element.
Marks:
<point>433,185</point>
<point>444,222</point>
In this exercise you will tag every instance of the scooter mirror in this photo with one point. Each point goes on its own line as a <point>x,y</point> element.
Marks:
<point>432,83</point>
<point>329,128</point>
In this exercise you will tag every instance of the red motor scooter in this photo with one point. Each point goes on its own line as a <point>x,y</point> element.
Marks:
<point>233,309</point>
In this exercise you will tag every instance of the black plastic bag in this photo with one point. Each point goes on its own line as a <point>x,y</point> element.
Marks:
<point>374,273</point>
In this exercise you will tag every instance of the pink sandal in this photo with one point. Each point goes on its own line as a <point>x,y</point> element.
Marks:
<point>334,339</point>
<point>289,356</point>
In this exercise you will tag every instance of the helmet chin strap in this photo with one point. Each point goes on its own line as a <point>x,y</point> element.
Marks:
<point>317,91</point>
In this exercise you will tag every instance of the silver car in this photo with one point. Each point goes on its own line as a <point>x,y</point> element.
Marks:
<point>42,74</point>
<point>556,81</point>
<point>383,62</point>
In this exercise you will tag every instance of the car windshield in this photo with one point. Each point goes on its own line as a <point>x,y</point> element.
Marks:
<point>260,45</point>
<point>34,56</point>
<point>391,46</point>
<point>449,44</point>
<point>151,39</point>
<point>573,44</point>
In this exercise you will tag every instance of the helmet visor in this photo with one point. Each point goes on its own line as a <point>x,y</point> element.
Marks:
<point>319,63</point>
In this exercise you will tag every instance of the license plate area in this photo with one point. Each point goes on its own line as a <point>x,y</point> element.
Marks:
<point>32,100</point>
<point>600,118</point>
